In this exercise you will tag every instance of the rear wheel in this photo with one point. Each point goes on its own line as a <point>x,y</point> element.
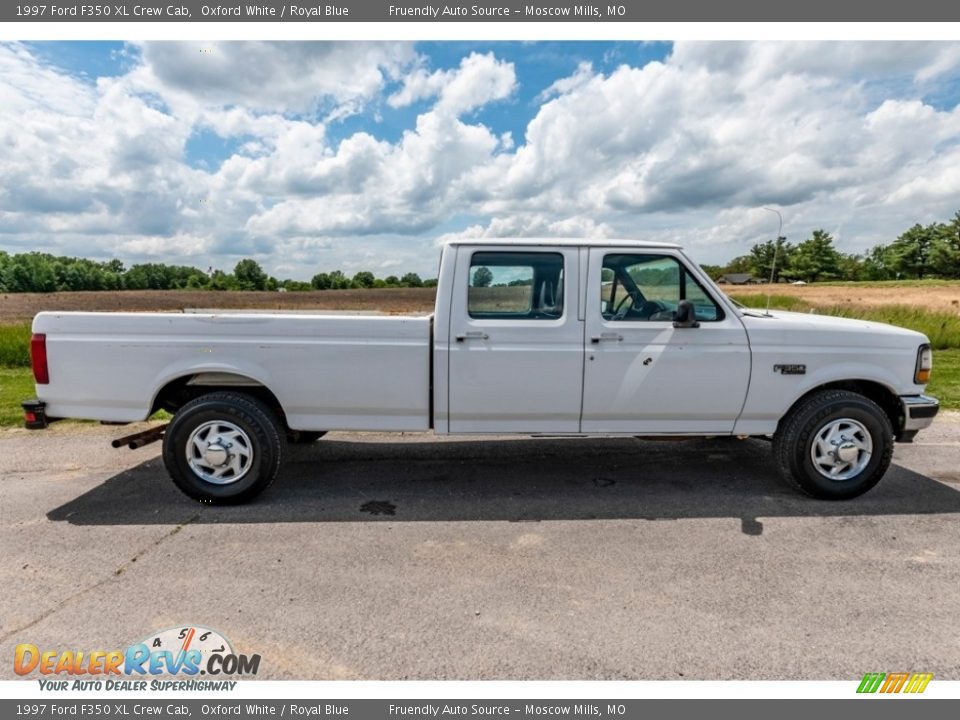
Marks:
<point>834,445</point>
<point>224,448</point>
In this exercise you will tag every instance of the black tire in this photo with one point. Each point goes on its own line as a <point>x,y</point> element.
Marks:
<point>304,437</point>
<point>850,415</point>
<point>255,428</point>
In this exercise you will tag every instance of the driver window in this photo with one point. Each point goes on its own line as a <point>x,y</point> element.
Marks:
<point>649,288</point>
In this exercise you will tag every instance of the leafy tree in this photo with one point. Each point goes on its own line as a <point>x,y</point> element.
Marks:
<point>740,264</point>
<point>815,259</point>
<point>910,253</point>
<point>222,281</point>
<point>411,280</point>
<point>321,281</point>
<point>339,281</point>
<point>364,279</point>
<point>249,275</point>
<point>430,282</point>
<point>851,267</point>
<point>4,266</point>
<point>945,255</point>
<point>391,281</point>
<point>197,281</point>
<point>714,271</point>
<point>30,272</point>
<point>482,277</point>
<point>157,276</point>
<point>876,264</point>
<point>770,258</point>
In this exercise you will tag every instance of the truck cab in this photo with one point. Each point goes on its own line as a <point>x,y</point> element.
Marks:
<point>582,338</point>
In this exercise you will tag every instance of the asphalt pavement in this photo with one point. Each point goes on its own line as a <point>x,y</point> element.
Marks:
<point>418,557</point>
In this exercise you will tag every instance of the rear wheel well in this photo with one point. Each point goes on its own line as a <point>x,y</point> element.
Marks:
<point>883,396</point>
<point>177,393</point>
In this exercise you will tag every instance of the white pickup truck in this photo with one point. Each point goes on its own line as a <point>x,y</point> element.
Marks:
<point>535,337</point>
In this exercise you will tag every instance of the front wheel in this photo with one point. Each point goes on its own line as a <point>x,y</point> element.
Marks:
<point>834,445</point>
<point>224,448</point>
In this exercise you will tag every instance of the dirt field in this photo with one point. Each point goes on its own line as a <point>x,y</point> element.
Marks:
<point>932,297</point>
<point>23,306</point>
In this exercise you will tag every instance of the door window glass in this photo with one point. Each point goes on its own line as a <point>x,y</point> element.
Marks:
<point>509,285</point>
<point>645,287</point>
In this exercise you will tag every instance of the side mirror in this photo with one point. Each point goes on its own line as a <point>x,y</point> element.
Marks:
<point>686,315</point>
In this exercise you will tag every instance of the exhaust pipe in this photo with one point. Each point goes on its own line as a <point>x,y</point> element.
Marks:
<point>138,440</point>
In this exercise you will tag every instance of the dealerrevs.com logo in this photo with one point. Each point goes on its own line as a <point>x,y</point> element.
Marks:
<point>186,652</point>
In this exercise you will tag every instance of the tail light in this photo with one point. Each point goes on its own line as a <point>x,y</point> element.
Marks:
<point>924,365</point>
<point>38,357</point>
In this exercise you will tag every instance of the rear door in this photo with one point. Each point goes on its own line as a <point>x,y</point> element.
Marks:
<point>516,345</point>
<point>643,375</point>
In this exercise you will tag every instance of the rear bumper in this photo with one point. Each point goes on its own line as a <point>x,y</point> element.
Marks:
<point>918,413</point>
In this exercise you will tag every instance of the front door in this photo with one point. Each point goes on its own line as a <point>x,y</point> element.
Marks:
<point>641,374</point>
<point>516,345</point>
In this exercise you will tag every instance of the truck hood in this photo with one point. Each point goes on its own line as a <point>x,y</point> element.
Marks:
<point>784,327</point>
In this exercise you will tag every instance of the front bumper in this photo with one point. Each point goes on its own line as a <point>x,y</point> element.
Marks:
<point>918,413</point>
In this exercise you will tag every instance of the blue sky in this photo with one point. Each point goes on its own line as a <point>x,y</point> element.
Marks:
<point>316,156</point>
<point>538,66</point>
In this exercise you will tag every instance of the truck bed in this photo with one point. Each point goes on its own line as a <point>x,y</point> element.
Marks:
<point>329,372</point>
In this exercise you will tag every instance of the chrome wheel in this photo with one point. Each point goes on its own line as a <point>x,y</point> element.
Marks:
<point>841,449</point>
<point>219,452</point>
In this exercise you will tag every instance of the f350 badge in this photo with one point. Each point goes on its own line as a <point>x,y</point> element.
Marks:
<point>790,369</point>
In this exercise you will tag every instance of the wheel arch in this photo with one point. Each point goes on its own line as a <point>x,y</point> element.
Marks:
<point>177,392</point>
<point>884,396</point>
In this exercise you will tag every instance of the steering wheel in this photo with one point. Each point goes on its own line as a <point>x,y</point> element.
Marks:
<point>621,310</point>
<point>645,310</point>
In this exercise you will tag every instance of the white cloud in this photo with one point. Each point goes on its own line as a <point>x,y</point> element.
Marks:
<point>533,226</point>
<point>564,85</point>
<point>27,85</point>
<point>420,85</point>
<point>479,80</point>
<point>278,77</point>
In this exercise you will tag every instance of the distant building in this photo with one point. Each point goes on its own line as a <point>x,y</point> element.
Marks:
<point>738,279</point>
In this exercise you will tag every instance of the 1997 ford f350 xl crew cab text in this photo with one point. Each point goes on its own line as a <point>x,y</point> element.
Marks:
<point>557,337</point>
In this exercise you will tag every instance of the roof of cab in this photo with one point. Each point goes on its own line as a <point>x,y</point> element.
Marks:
<point>564,242</point>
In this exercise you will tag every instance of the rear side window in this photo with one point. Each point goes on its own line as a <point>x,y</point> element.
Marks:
<point>515,285</point>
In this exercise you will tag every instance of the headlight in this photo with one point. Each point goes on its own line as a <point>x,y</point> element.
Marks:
<point>924,365</point>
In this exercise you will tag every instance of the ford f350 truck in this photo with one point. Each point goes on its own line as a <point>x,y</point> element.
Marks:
<point>534,337</point>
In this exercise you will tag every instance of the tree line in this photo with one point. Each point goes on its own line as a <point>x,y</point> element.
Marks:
<point>923,251</point>
<point>42,272</point>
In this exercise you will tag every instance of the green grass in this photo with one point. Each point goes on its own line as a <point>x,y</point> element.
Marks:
<point>943,328</point>
<point>945,381</point>
<point>15,345</point>
<point>929,282</point>
<point>16,385</point>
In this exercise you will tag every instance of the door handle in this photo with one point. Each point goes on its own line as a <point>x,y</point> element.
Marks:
<point>474,335</point>
<point>605,337</point>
